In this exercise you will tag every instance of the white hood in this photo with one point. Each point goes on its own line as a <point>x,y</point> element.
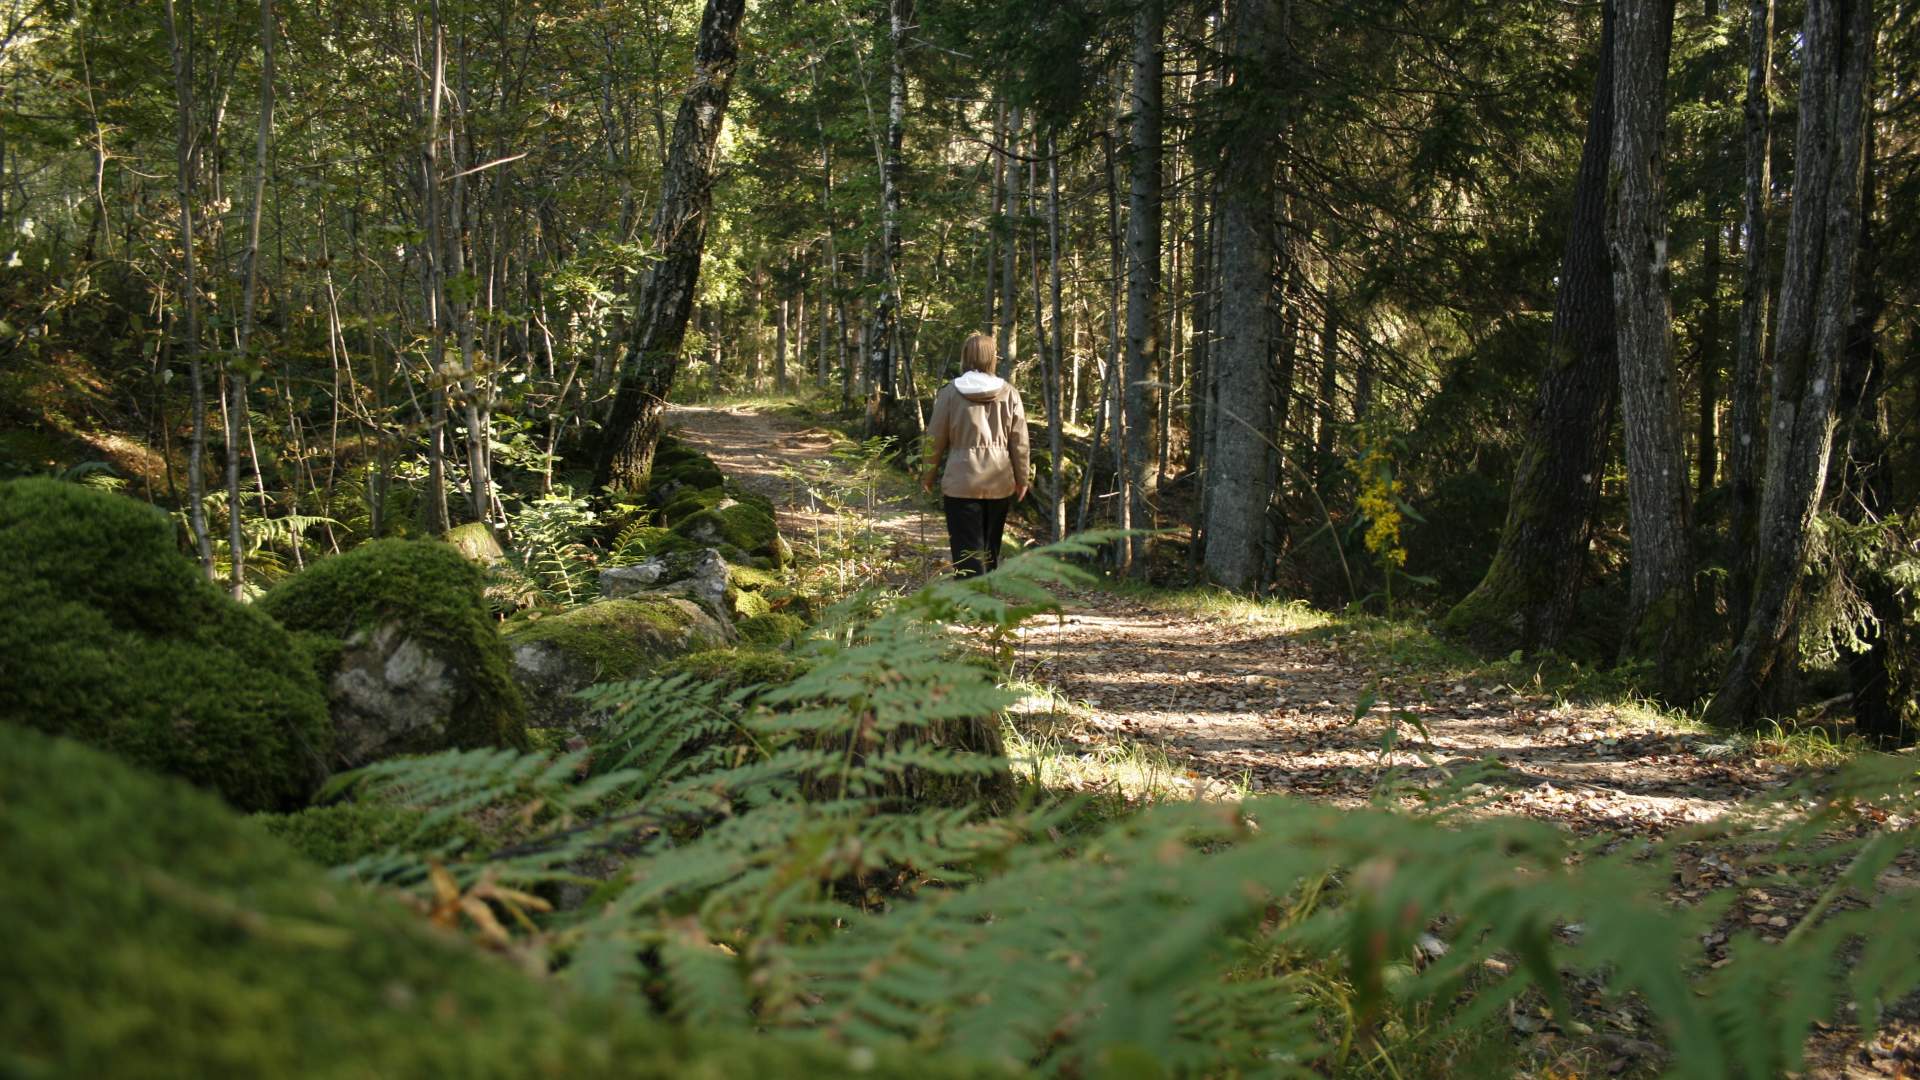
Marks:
<point>978,382</point>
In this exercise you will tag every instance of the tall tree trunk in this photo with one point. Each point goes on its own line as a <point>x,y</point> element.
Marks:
<point>1143,263</point>
<point>1706,443</point>
<point>1527,598</point>
<point>438,518</point>
<point>780,346</point>
<point>1329,376</point>
<point>181,47</point>
<point>1747,430</point>
<point>1008,331</point>
<point>1240,488</point>
<point>884,330</point>
<point>665,297</point>
<point>1810,339</point>
<point>1056,357</point>
<point>1660,612</point>
<point>237,380</point>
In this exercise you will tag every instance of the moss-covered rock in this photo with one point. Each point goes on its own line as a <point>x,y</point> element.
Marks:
<point>558,655</point>
<point>154,933</point>
<point>418,665</point>
<point>110,636</point>
<point>736,668</point>
<point>774,628</point>
<point>476,540</point>
<point>740,525</point>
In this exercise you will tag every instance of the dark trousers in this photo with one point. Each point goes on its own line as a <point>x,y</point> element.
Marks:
<point>974,528</point>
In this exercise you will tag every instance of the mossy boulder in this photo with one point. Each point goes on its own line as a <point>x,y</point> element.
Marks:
<point>109,635</point>
<point>478,542</point>
<point>774,628</point>
<point>408,650</point>
<point>608,640</point>
<point>727,589</point>
<point>153,932</point>
<point>748,665</point>
<point>737,524</point>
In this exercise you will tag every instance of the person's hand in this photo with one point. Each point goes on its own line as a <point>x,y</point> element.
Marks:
<point>926,481</point>
<point>1020,492</point>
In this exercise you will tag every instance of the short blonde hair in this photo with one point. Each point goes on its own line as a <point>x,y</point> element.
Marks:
<point>978,354</point>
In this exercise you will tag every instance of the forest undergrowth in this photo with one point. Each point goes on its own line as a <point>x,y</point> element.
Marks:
<point>931,839</point>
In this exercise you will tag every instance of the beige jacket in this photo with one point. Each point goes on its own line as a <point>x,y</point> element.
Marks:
<point>979,431</point>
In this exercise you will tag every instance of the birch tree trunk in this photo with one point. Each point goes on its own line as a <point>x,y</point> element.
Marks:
<point>438,518</point>
<point>1143,264</point>
<point>182,54</point>
<point>1240,488</point>
<point>1746,430</point>
<point>1527,598</point>
<point>1660,612</point>
<point>664,300</point>
<point>1810,338</point>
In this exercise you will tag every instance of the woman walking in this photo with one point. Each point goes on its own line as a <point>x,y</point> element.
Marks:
<point>977,440</point>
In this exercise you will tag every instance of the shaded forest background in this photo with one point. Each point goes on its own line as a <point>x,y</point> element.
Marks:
<point>1291,281</point>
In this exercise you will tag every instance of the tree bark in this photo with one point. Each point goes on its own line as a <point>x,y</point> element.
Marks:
<point>182,54</point>
<point>1240,488</point>
<point>664,300</point>
<point>1143,264</point>
<point>1056,391</point>
<point>438,518</point>
<point>1528,595</point>
<point>1810,339</point>
<point>883,343</point>
<point>1746,429</point>
<point>237,379</point>
<point>1660,599</point>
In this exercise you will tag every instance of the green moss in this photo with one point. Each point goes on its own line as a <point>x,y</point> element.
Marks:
<point>165,936</point>
<point>776,628</point>
<point>651,540</point>
<point>476,540</point>
<point>435,595</point>
<point>743,526</point>
<point>690,501</point>
<point>737,668</point>
<point>345,832</point>
<point>110,636</point>
<point>618,639</point>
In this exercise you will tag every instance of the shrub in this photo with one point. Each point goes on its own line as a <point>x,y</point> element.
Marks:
<point>735,669</point>
<point>109,636</point>
<point>433,594</point>
<point>347,832</point>
<point>155,933</point>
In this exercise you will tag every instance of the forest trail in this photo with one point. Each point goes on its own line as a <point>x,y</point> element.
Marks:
<point>791,462</point>
<point>1260,703</point>
<point>1264,703</point>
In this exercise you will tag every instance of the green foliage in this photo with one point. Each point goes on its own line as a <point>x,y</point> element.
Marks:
<point>109,636</point>
<point>434,594</point>
<point>344,833</point>
<point>152,932</point>
<point>1273,936</point>
<point>551,548</point>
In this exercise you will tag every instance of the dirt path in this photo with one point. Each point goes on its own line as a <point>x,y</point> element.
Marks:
<point>1267,704</point>
<point>792,463</point>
